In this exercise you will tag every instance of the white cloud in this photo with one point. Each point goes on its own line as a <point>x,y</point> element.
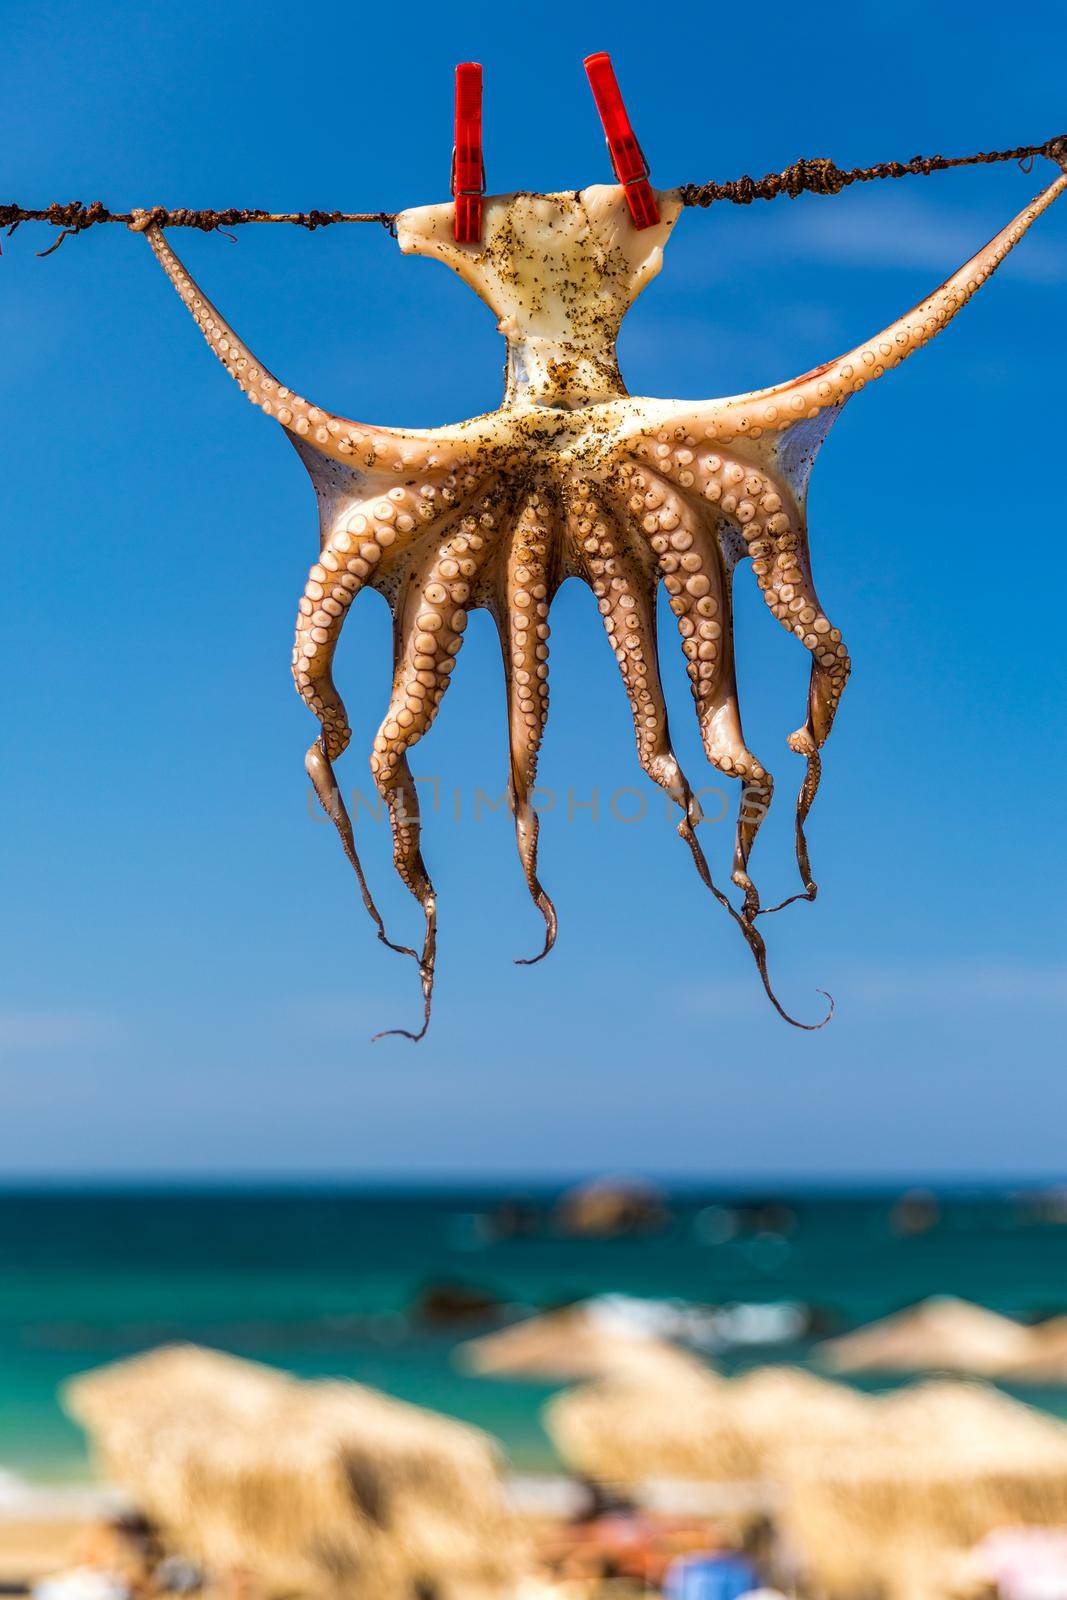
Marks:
<point>901,230</point>
<point>26,1030</point>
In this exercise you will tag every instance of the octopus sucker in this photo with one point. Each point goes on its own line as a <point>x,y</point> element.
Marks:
<point>571,476</point>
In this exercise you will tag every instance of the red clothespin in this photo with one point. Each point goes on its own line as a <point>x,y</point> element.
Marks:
<point>627,157</point>
<point>468,167</point>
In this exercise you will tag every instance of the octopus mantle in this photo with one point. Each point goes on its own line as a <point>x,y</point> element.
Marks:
<point>571,477</point>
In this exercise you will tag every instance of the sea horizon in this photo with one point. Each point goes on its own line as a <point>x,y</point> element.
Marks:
<point>799,1184</point>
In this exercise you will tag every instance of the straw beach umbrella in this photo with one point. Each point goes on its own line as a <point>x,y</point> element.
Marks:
<point>940,1334</point>
<point>939,1465</point>
<point>324,1487</point>
<point>1047,1359</point>
<point>629,1429</point>
<point>589,1340</point>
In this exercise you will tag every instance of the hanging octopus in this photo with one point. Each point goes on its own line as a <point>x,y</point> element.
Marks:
<point>571,477</point>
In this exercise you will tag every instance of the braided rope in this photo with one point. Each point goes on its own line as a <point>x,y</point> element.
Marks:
<point>76,217</point>
<point>812,175</point>
<point>819,175</point>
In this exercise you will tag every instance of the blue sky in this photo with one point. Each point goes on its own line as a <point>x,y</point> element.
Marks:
<point>187,981</point>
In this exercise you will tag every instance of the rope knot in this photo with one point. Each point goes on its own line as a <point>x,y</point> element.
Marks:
<point>73,218</point>
<point>813,174</point>
<point>318,219</point>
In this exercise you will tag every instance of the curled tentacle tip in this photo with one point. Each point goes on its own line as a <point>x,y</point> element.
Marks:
<point>400,1033</point>
<point>794,1022</point>
<point>406,1033</point>
<point>551,925</point>
<point>807,894</point>
<point>401,949</point>
<point>531,961</point>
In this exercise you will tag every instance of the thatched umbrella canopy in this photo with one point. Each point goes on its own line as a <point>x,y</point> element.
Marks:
<point>938,1466</point>
<point>311,1486</point>
<point>692,1426</point>
<point>942,1334</point>
<point>580,1341</point>
<point>1047,1358</point>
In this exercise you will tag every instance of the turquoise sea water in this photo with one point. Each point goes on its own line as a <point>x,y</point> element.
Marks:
<point>324,1283</point>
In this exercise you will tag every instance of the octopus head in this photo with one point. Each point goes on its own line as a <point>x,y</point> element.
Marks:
<point>559,272</point>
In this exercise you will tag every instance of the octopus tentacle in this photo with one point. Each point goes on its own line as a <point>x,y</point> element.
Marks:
<point>695,576</point>
<point>360,548</point>
<point>430,618</point>
<point>367,448</point>
<point>320,771</point>
<point>318,627</point>
<point>625,590</point>
<point>773,526</point>
<point>521,607</point>
<point>772,411</point>
<point>773,437</point>
<point>764,505</point>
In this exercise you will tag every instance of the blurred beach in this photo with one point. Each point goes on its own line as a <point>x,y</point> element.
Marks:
<point>382,1286</point>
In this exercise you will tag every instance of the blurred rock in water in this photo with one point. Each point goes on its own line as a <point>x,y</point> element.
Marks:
<point>609,1207</point>
<point>455,1305</point>
<point>916,1212</point>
